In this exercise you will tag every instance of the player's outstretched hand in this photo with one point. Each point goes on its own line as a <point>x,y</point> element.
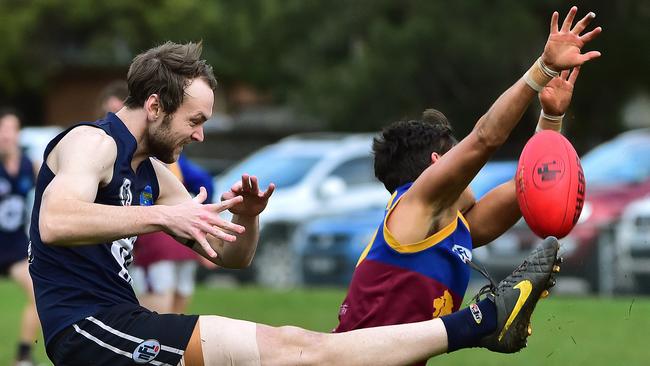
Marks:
<point>556,95</point>
<point>193,220</point>
<point>563,47</point>
<point>254,201</point>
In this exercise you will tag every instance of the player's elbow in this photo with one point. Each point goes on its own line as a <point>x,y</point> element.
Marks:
<point>489,138</point>
<point>48,230</point>
<point>52,231</point>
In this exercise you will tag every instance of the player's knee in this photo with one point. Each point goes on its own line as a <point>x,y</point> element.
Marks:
<point>308,345</point>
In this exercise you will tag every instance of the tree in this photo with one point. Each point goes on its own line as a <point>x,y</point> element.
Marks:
<point>354,64</point>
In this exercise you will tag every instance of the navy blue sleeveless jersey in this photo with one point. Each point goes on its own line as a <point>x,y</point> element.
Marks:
<point>13,195</point>
<point>72,283</point>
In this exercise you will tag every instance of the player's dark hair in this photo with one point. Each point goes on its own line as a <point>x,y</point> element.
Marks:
<point>403,149</point>
<point>166,70</point>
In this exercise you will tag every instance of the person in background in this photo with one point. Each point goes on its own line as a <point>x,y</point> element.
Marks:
<point>17,177</point>
<point>111,97</point>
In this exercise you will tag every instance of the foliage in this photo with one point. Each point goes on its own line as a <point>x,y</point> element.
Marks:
<point>355,64</point>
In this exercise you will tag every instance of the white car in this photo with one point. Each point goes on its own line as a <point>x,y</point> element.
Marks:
<point>633,247</point>
<point>315,174</point>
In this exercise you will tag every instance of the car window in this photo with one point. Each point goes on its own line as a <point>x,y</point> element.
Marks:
<point>618,162</point>
<point>356,172</point>
<point>492,175</point>
<point>273,167</point>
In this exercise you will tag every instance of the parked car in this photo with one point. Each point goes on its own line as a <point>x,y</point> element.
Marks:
<point>315,174</point>
<point>328,248</point>
<point>617,172</point>
<point>491,175</point>
<point>632,249</point>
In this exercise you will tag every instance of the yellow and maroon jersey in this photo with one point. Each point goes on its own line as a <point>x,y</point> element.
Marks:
<point>395,284</point>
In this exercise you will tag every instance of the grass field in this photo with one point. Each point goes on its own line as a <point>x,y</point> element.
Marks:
<point>566,331</point>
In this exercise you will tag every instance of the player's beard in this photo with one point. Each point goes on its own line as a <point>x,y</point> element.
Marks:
<point>161,141</point>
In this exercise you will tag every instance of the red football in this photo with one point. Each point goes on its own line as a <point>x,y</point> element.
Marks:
<point>550,184</point>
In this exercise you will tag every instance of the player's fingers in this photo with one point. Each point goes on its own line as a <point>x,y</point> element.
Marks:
<point>246,182</point>
<point>225,204</point>
<point>228,195</point>
<point>554,22</point>
<point>227,225</point>
<point>583,23</point>
<point>215,231</point>
<point>224,230</point>
<point>201,197</point>
<point>574,75</point>
<point>589,56</point>
<point>587,37</point>
<point>269,191</point>
<point>255,187</point>
<point>230,202</point>
<point>564,74</point>
<point>566,25</point>
<point>236,187</point>
<point>203,241</point>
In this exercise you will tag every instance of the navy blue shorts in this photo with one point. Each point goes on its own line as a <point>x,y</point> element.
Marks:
<point>125,334</point>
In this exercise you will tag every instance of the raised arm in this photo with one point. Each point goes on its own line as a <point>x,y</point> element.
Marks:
<point>82,162</point>
<point>486,226</point>
<point>232,244</point>
<point>246,213</point>
<point>440,185</point>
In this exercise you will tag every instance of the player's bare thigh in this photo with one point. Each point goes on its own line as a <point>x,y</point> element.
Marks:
<point>222,341</point>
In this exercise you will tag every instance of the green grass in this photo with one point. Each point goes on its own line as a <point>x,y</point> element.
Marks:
<point>566,331</point>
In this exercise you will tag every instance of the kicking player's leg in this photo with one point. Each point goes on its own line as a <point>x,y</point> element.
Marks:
<point>229,341</point>
<point>516,296</point>
<point>499,323</point>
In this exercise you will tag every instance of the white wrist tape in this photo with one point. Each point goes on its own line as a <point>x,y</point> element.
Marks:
<point>539,75</point>
<point>549,122</point>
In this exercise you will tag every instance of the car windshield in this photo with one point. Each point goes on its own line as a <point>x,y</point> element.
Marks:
<point>281,168</point>
<point>491,175</point>
<point>621,161</point>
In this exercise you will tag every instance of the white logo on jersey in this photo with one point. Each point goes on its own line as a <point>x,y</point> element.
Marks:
<point>125,193</point>
<point>12,209</point>
<point>464,253</point>
<point>30,256</point>
<point>343,309</point>
<point>122,249</point>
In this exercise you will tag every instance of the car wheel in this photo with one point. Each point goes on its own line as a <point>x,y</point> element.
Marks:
<point>642,282</point>
<point>274,264</point>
